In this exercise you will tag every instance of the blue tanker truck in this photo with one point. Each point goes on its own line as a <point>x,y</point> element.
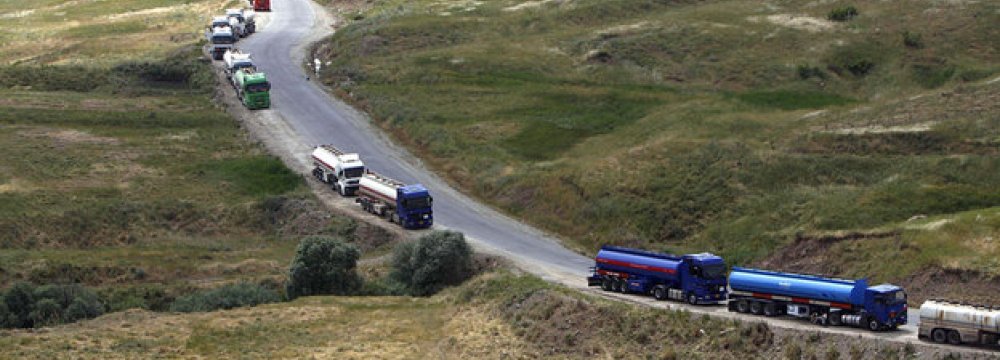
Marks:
<point>823,301</point>
<point>695,278</point>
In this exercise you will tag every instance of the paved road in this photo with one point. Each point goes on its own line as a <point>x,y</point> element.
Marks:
<point>319,120</point>
<point>316,118</point>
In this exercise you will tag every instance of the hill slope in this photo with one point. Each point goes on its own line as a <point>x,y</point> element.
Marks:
<point>727,126</point>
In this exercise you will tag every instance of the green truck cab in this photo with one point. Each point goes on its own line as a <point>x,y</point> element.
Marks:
<point>252,88</point>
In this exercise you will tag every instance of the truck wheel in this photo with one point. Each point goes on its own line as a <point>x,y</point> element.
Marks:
<point>939,336</point>
<point>692,299</point>
<point>659,293</point>
<point>770,310</point>
<point>756,308</point>
<point>873,325</point>
<point>623,286</point>
<point>615,285</point>
<point>742,306</point>
<point>954,338</point>
<point>606,284</point>
<point>834,319</point>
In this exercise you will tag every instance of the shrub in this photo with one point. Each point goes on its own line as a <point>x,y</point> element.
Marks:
<point>226,297</point>
<point>913,40</point>
<point>843,13</point>
<point>26,306</point>
<point>437,260</point>
<point>323,265</point>
<point>806,72</point>
<point>858,59</point>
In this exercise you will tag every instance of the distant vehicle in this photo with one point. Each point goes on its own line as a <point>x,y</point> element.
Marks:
<point>222,40</point>
<point>219,21</point>
<point>244,21</point>
<point>261,5</point>
<point>954,323</point>
<point>825,301</point>
<point>252,88</point>
<point>695,278</point>
<point>341,170</point>
<point>407,205</point>
<point>235,61</point>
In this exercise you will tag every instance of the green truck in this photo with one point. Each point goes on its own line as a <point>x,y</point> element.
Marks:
<point>252,88</point>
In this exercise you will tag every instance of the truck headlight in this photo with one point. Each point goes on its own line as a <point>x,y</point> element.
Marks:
<point>426,216</point>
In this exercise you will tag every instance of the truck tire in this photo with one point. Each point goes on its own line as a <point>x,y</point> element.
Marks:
<point>770,309</point>
<point>834,319</point>
<point>874,325</point>
<point>939,336</point>
<point>660,292</point>
<point>954,337</point>
<point>757,308</point>
<point>623,286</point>
<point>606,284</point>
<point>691,299</point>
<point>742,306</point>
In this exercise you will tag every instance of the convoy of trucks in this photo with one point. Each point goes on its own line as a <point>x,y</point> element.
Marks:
<point>694,278</point>
<point>342,171</point>
<point>406,205</point>
<point>955,323</point>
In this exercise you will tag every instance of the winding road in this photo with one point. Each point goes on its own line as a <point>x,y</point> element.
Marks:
<point>309,116</point>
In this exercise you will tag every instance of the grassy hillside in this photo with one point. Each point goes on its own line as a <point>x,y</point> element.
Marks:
<point>727,126</point>
<point>117,169</point>
<point>496,316</point>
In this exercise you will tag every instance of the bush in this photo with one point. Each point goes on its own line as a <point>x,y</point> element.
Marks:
<point>437,260</point>
<point>843,13</point>
<point>859,59</point>
<point>226,297</point>
<point>806,72</point>
<point>324,265</point>
<point>26,306</point>
<point>913,40</point>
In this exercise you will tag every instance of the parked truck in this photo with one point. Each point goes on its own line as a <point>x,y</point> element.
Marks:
<point>407,205</point>
<point>243,20</point>
<point>695,278</point>
<point>341,170</point>
<point>222,40</point>
<point>955,323</point>
<point>236,61</point>
<point>824,301</point>
<point>252,88</point>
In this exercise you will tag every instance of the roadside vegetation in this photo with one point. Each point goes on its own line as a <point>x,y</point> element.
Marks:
<point>726,126</point>
<point>497,315</point>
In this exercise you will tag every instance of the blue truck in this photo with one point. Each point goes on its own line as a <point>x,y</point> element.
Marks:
<point>824,301</point>
<point>695,278</point>
<point>406,205</point>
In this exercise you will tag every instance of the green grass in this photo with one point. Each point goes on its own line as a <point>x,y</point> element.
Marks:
<point>255,176</point>
<point>689,126</point>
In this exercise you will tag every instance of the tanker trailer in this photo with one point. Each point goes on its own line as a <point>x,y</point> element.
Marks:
<point>942,321</point>
<point>407,205</point>
<point>695,278</point>
<point>824,301</point>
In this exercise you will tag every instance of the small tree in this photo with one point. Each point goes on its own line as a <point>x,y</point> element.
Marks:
<point>437,260</point>
<point>323,265</point>
<point>20,300</point>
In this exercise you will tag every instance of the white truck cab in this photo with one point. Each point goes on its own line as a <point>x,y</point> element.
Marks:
<point>341,170</point>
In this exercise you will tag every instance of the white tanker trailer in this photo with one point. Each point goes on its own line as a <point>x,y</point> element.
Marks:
<point>339,169</point>
<point>942,321</point>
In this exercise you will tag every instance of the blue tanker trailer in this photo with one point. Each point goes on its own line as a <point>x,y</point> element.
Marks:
<point>824,301</point>
<point>694,278</point>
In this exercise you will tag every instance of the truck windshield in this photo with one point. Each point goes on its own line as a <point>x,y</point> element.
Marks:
<point>893,298</point>
<point>354,172</point>
<point>416,203</point>
<point>713,271</point>
<point>259,87</point>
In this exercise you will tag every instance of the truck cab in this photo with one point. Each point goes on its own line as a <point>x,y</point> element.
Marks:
<point>348,174</point>
<point>413,204</point>
<point>704,276</point>
<point>887,304</point>
<point>222,40</point>
<point>219,21</point>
